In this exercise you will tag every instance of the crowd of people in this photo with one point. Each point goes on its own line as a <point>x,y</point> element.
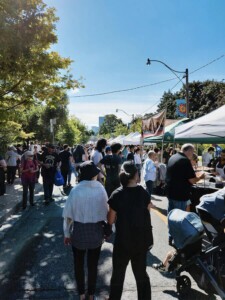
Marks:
<point>109,190</point>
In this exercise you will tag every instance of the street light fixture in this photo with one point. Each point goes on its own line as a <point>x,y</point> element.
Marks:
<point>149,61</point>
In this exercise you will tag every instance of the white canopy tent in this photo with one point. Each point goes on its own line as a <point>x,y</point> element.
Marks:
<point>118,139</point>
<point>133,139</point>
<point>207,129</point>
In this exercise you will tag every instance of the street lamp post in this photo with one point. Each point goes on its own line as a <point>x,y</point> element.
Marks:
<point>117,110</point>
<point>186,75</point>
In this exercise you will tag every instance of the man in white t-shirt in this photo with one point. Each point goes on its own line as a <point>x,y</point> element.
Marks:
<point>149,171</point>
<point>207,156</point>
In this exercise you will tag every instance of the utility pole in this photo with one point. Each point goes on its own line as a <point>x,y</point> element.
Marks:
<point>187,93</point>
<point>175,73</point>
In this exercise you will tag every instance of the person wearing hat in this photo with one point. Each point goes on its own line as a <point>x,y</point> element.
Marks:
<point>49,161</point>
<point>11,158</point>
<point>84,211</point>
<point>28,171</point>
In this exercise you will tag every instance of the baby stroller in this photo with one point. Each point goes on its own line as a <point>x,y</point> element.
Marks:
<point>187,231</point>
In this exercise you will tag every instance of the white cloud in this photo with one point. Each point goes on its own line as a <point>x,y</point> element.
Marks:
<point>88,112</point>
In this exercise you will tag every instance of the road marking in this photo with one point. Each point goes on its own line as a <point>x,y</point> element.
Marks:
<point>159,214</point>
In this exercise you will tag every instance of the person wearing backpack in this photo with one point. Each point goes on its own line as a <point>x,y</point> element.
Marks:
<point>129,207</point>
<point>28,170</point>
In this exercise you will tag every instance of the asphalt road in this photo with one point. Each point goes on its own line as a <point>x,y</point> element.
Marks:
<point>43,269</point>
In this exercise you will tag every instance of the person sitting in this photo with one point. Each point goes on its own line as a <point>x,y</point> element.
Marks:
<point>220,166</point>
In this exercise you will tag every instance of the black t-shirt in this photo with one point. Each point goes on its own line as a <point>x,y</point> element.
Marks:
<point>52,159</point>
<point>133,222</point>
<point>77,154</point>
<point>179,170</point>
<point>65,159</point>
<point>130,156</point>
<point>111,163</point>
<point>166,156</point>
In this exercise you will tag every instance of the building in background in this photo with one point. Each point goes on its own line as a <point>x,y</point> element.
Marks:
<point>100,121</point>
<point>95,129</point>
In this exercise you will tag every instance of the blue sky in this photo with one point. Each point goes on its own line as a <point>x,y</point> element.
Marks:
<point>110,40</point>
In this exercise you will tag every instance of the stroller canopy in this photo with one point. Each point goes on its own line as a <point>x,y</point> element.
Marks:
<point>185,227</point>
<point>214,204</point>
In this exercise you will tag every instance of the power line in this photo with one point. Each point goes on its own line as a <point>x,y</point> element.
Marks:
<point>209,63</point>
<point>147,85</point>
<point>125,90</point>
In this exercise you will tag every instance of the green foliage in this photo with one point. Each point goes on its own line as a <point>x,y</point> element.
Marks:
<point>109,124</point>
<point>120,129</point>
<point>73,132</point>
<point>136,125</point>
<point>30,73</point>
<point>204,97</point>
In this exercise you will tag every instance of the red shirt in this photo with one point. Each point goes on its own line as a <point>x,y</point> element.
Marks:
<point>28,177</point>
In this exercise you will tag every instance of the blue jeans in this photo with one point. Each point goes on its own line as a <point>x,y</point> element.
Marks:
<point>176,204</point>
<point>149,187</point>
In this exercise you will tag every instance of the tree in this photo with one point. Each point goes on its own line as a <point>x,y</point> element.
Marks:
<point>73,131</point>
<point>109,124</point>
<point>120,129</point>
<point>204,97</point>
<point>30,73</point>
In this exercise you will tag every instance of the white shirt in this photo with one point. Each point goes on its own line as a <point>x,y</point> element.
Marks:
<point>96,156</point>
<point>87,203</point>
<point>11,158</point>
<point>137,159</point>
<point>206,157</point>
<point>149,170</point>
<point>220,171</point>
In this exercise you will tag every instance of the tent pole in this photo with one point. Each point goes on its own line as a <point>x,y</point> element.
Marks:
<point>162,149</point>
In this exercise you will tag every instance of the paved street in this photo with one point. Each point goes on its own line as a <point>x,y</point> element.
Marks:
<point>41,267</point>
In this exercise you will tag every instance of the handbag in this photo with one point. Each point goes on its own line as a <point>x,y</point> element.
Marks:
<point>58,179</point>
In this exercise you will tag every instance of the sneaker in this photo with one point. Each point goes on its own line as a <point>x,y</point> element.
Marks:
<point>160,267</point>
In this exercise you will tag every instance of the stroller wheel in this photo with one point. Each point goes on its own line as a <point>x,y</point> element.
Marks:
<point>183,284</point>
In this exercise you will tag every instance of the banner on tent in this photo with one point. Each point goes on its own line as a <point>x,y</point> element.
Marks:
<point>181,108</point>
<point>154,126</point>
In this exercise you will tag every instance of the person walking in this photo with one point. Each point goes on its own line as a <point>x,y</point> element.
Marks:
<point>50,161</point>
<point>137,160</point>
<point>112,164</point>
<point>149,171</point>
<point>3,169</point>
<point>85,209</point>
<point>97,155</point>
<point>130,155</point>
<point>129,208</point>
<point>28,170</point>
<point>66,159</point>
<point>11,158</point>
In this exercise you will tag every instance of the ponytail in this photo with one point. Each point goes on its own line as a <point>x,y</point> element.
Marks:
<point>128,171</point>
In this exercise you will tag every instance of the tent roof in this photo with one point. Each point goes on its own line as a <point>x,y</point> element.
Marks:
<point>133,139</point>
<point>206,129</point>
<point>169,132</point>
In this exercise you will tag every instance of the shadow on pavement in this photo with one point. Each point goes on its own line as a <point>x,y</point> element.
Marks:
<point>162,211</point>
<point>191,295</point>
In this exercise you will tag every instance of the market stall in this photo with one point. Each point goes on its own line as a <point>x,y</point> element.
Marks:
<point>207,129</point>
<point>168,136</point>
